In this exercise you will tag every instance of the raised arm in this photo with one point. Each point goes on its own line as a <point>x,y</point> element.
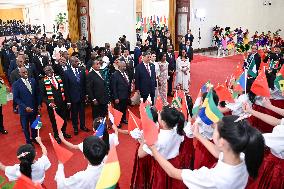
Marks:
<point>267,104</point>
<point>68,144</point>
<point>43,148</point>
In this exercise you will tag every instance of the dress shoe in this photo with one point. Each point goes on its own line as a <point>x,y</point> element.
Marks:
<point>85,129</point>
<point>58,140</point>
<point>76,132</point>
<point>125,122</point>
<point>4,132</point>
<point>66,135</point>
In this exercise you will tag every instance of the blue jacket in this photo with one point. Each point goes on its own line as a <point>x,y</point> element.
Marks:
<point>24,98</point>
<point>143,82</point>
<point>74,91</point>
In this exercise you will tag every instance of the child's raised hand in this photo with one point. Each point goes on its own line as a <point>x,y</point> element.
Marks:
<point>195,129</point>
<point>114,127</point>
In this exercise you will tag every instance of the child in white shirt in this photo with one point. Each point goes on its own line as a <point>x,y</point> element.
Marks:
<point>28,166</point>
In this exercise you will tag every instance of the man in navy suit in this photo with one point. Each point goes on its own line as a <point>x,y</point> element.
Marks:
<point>137,53</point>
<point>171,69</point>
<point>189,51</point>
<point>145,78</point>
<point>26,95</point>
<point>121,89</point>
<point>75,90</point>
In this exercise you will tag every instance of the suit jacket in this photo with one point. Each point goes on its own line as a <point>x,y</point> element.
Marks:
<point>143,82</point>
<point>59,70</point>
<point>40,62</point>
<point>12,66</point>
<point>15,75</point>
<point>257,60</point>
<point>97,88</point>
<point>189,37</point>
<point>74,91</point>
<point>137,54</point>
<point>120,86</point>
<point>56,93</point>
<point>189,52</point>
<point>24,98</point>
<point>172,62</point>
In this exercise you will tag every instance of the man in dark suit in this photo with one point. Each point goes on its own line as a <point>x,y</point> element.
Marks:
<point>121,90</point>
<point>40,62</point>
<point>25,94</point>
<point>60,67</point>
<point>75,90</point>
<point>137,53</point>
<point>189,37</point>
<point>171,68</point>
<point>189,51</point>
<point>53,94</point>
<point>145,78</point>
<point>97,90</point>
<point>129,65</point>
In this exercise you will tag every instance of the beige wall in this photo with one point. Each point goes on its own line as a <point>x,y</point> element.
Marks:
<point>11,14</point>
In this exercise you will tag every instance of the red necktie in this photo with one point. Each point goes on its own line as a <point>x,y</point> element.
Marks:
<point>148,69</point>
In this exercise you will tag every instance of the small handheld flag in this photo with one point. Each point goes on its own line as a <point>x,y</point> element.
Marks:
<point>260,85</point>
<point>24,182</point>
<point>62,154</point>
<point>133,122</point>
<point>101,129</point>
<point>114,115</point>
<point>37,124</point>
<point>159,104</point>
<point>59,121</point>
<point>223,93</point>
<point>111,171</point>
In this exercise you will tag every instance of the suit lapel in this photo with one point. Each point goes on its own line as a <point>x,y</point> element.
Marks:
<point>126,81</point>
<point>25,86</point>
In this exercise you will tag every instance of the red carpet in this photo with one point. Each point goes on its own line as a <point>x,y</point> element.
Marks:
<point>202,69</point>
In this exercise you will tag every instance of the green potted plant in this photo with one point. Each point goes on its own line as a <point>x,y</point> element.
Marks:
<point>61,20</point>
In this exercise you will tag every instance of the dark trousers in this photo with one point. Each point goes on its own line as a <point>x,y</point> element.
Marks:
<point>170,84</point>
<point>78,110</point>
<point>26,121</point>
<point>1,119</point>
<point>122,107</point>
<point>61,111</point>
<point>99,110</point>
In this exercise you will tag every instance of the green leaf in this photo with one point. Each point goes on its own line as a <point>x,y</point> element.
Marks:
<point>2,180</point>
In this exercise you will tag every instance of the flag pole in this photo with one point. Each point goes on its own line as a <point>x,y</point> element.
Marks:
<point>130,113</point>
<point>37,132</point>
<point>245,81</point>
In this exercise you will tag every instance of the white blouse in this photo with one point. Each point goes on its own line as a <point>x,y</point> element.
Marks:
<point>236,107</point>
<point>222,176</point>
<point>275,140</point>
<point>86,179</point>
<point>168,143</point>
<point>38,170</point>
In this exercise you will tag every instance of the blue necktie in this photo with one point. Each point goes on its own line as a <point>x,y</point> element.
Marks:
<point>77,75</point>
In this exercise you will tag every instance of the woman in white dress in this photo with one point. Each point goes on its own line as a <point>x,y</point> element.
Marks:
<point>163,78</point>
<point>183,72</point>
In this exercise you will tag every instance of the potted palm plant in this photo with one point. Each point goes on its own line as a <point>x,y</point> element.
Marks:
<point>61,20</point>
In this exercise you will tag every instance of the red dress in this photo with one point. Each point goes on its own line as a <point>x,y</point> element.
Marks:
<point>271,174</point>
<point>203,157</point>
<point>160,179</point>
<point>262,126</point>
<point>141,173</point>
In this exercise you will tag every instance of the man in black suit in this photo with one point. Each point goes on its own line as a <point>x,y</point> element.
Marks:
<point>189,51</point>
<point>60,67</point>
<point>145,78</point>
<point>40,62</point>
<point>75,90</point>
<point>121,89</point>
<point>97,90</point>
<point>171,69</point>
<point>189,37</point>
<point>53,94</point>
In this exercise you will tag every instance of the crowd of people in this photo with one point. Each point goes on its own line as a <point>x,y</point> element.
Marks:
<point>18,27</point>
<point>65,76</point>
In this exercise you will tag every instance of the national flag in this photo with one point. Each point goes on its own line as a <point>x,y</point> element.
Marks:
<point>114,115</point>
<point>260,85</point>
<point>101,129</point>
<point>206,87</point>
<point>24,182</point>
<point>176,102</point>
<point>279,82</point>
<point>62,154</point>
<point>252,69</point>
<point>111,171</point>
<point>209,112</point>
<point>37,124</point>
<point>239,70</point>
<point>59,121</point>
<point>159,103</point>
<point>150,129</point>
<point>197,104</point>
<point>223,93</point>
<point>133,122</point>
<point>242,80</point>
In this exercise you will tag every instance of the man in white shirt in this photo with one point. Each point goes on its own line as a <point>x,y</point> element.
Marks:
<point>94,150</point>
<point>57,50</point>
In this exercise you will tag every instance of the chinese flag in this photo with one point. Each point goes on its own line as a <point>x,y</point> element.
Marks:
<point>281,71</point>
<point>133,122</point>
<point>24,182</point>
<point>59,121</point>
<point>238,72</point>
<point>181,95</point>
<point>260,85</point>
<point>159,103</point>
<point>63,155</point>
<point>150,129</point>
<point>114,115</point>
<point>223,93</point>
